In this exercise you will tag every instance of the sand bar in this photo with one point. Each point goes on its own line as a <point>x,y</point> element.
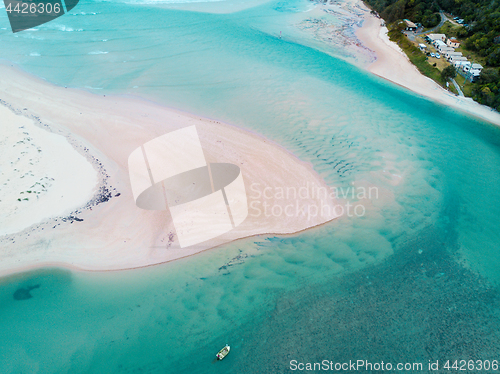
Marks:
<point>110,232</point>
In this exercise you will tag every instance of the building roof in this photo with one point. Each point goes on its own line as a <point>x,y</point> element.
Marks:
<point>440,42</point>
<point>410,23</point>
<point>477,66</point>
<point>437,36</point>
<point>454,41</point>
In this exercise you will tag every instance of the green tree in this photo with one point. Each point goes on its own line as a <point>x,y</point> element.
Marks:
<point>448,73</point>
<point>489,75</point>
<point>430,19</point>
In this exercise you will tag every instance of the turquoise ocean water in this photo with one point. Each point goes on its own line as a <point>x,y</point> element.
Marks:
<point>416,279</point>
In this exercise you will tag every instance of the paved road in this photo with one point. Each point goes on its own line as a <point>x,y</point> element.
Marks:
<point>443,20</point>
<point>457,87</point>
<point>412,35</point>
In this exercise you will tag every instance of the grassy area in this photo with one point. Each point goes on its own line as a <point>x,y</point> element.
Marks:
<point>466,87</point>
<point>441,63</point>
<point>450,29</point>
<point>452,88</point>
<point>416,56</point>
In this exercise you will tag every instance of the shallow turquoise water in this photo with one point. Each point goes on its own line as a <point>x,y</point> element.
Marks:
<point>351,126</point>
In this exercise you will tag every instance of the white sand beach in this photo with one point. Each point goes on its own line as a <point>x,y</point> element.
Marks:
<point>34,174</point>
<point>392,64</point>
<point>86,217</point>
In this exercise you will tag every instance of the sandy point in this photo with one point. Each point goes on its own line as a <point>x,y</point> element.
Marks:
<point>109,232</point>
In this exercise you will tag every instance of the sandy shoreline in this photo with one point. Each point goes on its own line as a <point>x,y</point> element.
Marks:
<point>111,232</point>
<point>392,64</point>
<point>357,36</point>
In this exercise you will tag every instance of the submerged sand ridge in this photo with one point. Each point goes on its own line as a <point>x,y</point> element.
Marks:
<point>111,232</point>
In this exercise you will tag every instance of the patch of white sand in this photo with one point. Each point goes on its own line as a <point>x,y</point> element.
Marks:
<point>41,174</point>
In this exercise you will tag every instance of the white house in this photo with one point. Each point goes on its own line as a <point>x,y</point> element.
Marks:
<point>439,44</point>
<point>454,59</point>
<point>454,43</point>
<point>445,50</point>
<point>453,53</point>
<point>464,65</point>
<point>435,37</point>
<point>476,69</point>
<point>473,71</point>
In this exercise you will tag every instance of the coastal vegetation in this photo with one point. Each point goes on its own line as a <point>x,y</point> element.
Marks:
<point>448,72</point>
<point>453,30</point>
<point>425,12</point>
<point>478,33</point>
<point>416,56</point>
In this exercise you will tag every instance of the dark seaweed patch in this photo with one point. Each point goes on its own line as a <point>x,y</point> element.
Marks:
<point>24,293</point>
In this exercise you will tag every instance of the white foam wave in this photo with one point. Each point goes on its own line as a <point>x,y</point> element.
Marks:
<point>31,36</point>
<point>98,53</point>
<point>65,28</point>
<point>84,14</point>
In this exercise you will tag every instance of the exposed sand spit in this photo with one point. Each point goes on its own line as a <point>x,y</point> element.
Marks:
<point>111,232</point>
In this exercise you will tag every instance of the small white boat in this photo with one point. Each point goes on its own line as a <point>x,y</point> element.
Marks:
<point>223,352</point>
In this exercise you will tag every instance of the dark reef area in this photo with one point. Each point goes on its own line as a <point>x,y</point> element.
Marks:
<point>24,293</point>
